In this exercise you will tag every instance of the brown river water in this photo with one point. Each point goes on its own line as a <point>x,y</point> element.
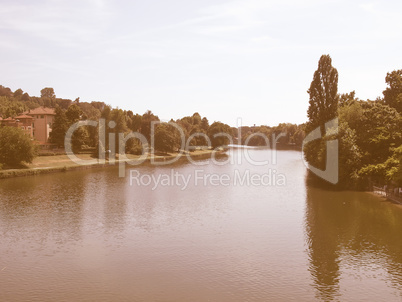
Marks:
<point>92,236</point>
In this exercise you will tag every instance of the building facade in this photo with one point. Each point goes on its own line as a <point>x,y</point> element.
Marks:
<point>37,123</point>
<point>42,123</point>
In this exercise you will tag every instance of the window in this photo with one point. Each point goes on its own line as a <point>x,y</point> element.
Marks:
<point>41,116</point>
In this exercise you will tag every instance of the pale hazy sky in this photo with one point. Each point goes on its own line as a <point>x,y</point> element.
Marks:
<point>253,59</point>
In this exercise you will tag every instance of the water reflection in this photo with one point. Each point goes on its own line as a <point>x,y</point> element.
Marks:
<point>42,206</point>
<point>323,244</point>
<point>351,237</point>
<point>91,235</point>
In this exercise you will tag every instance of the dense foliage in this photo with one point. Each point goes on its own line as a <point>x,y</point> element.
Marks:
<point>283,135</point>
<point>369,132</point>
<point>15,147</point>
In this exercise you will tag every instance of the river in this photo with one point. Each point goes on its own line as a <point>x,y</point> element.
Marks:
<point>238,231</point>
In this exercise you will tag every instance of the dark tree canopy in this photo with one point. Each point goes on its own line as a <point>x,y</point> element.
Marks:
<point>5,91</point>
<point>47,92</point>
<point>323,107</point>
<point>146,122</point>
<point>393,93</point>
<point>73,113</point>
<point>167,138</point>
<point>15,146</point>
<point>18,93</point>
<point>323,104</point>
<point>59,128</point>
<point>216,133</point>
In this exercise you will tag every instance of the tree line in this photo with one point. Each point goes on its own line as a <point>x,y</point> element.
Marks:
<point>167,138</point>
<point>369,133</point>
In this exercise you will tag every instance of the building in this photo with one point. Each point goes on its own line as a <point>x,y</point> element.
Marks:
<point>37,123</point>
<point>42,123</point>
<point>23,122</point>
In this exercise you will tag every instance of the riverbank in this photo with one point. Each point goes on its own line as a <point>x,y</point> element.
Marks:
<point>379,192</point>
<point>62,163</point>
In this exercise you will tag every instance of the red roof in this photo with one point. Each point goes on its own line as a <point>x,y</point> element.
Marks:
<point>41,110</point>
<point>22,116</point>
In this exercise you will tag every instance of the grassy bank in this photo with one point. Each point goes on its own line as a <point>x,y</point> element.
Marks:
<point>62,163</point>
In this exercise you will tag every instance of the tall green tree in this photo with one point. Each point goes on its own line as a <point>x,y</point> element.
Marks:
<point>59,128</point>
<point>323,103</point>
<point>323,107</point>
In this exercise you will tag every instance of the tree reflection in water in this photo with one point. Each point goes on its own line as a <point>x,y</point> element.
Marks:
<point>345,234</point>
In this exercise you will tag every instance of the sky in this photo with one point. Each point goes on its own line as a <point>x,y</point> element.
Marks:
<point>248,59</point>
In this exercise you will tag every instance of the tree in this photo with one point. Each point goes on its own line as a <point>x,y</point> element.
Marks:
<point>136,122</point>
<point>18,93</point>
<point>63,103</point>
<point>378,130</point>
<point>323,103</point>
<point>25,97</point>
<point>218,134</point>
<point>10,107</point>
<point>196,119</point>
<point>146,120</point>
<point>59,128</point>
<point>15,146</point>
<point>204,124</point>
<point>256,136</point>
<point>119,118</point>
<point>395,174</point>
<point>80,136</point>
<point>350,110</point>
<point>323,107</point>
<point>199,136</point>
<point>5,91</point>
<point>349,155</point>
<point>167,138</point>
<point>73,114</point>
<point>47,92</point>
<point>48,97</point>
<point>299,135</point>
<point>62,122</point>
<point>393,93</point>
<point>388,171</point>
